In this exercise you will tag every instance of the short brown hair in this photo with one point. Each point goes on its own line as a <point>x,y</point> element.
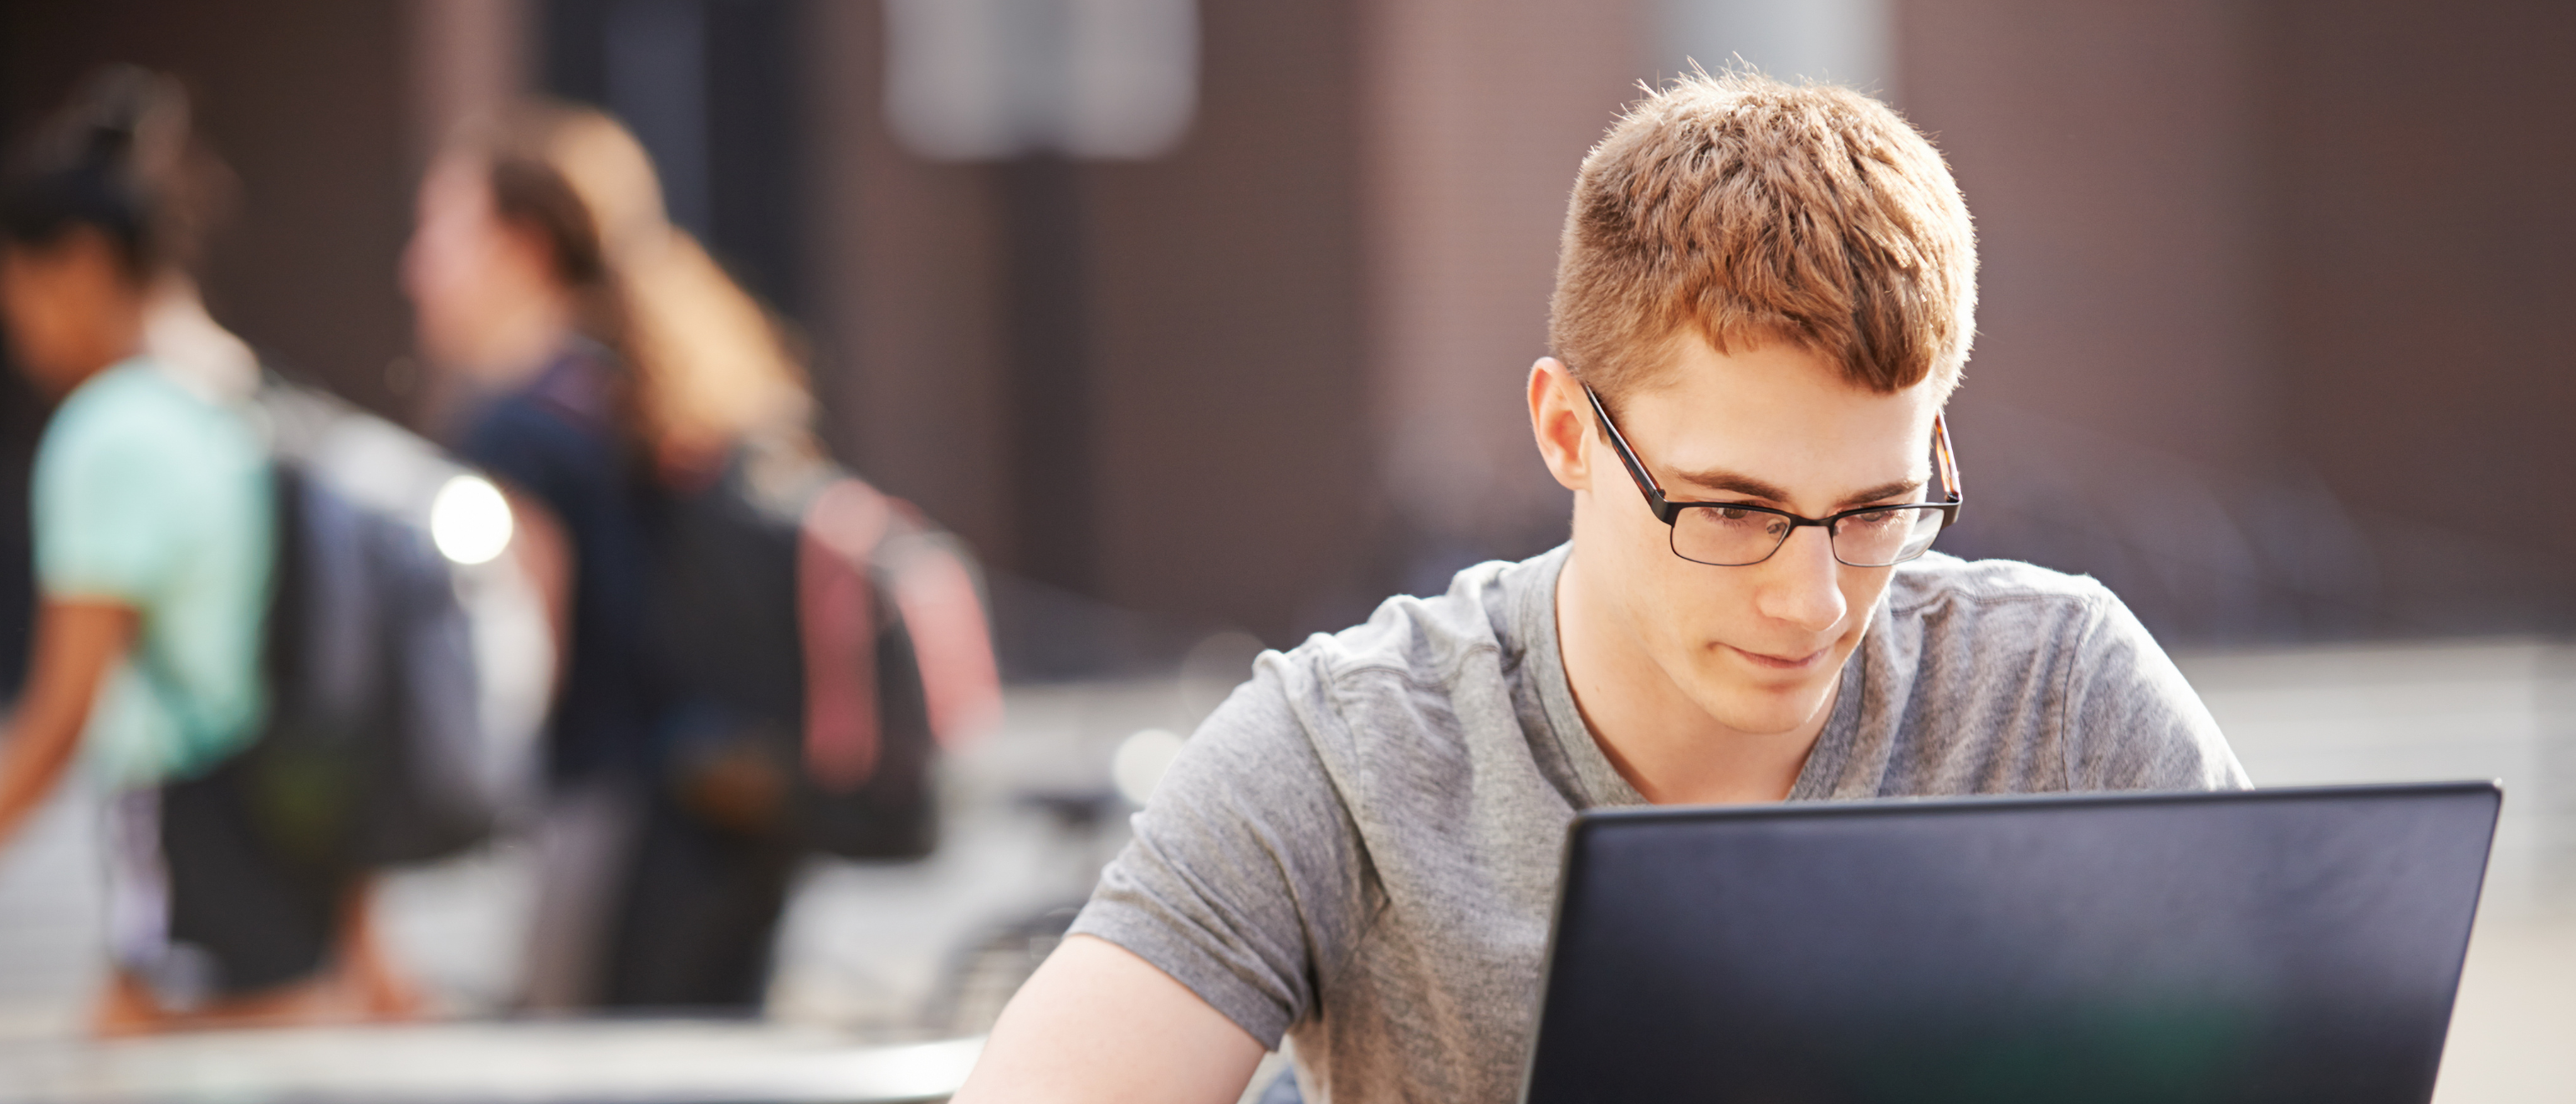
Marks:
<point>1752,210</point>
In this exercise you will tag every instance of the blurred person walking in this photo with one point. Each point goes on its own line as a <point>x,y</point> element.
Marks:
<point>155,545</point>
<point>602,363</point>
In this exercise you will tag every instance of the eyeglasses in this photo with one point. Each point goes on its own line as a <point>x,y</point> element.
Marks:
<point>1740,534</point>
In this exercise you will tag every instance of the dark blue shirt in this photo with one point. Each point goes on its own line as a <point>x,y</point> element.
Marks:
<point>558,439</point>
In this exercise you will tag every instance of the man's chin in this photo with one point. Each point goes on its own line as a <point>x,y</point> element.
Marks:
<point>1764,712</point>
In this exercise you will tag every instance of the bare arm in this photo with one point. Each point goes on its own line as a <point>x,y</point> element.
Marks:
<point>1097,1023</point>
<point>544,552</point>
<point>76,643</point>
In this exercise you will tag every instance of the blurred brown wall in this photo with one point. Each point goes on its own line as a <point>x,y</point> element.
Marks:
<point>306,101</point>
<point>2420,190</point>
<point>2108,153</point>
<point>1479,113</point>
<point>1232,435</point>
<point>2272,336</point>
<point>2121,381</point>
<point>1225,456</point>
<point>1348,257</point>
<point>1306,326</point>
<point>906,263</point>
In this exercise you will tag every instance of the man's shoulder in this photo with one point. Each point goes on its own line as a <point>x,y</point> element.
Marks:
<point>1971,618</point>
<point>1426,640</point>
<point>1422,678</point>
<point>2006,675</point>
<point>1939,584</point>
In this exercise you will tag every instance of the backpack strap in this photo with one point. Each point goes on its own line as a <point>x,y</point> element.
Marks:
<point>934,588</point>
<point>837,539</point>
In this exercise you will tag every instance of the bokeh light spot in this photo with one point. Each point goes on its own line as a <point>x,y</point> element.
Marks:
<point>1141,760</point>
<point>469,520</point>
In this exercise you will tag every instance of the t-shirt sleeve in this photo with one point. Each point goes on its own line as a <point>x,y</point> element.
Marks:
<point>112,509</point>
<point>2133,721</point>
<point>1243,881</point>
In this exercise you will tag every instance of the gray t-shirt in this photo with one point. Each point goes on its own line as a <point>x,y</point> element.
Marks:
<point>1359,848</point>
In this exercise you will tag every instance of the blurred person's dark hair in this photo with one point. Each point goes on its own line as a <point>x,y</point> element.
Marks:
<point>119,157</point>
<point>709,365</point>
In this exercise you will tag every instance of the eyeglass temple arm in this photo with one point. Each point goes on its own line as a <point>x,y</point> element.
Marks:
<point>1627,456</point>
<point>1949,462</point>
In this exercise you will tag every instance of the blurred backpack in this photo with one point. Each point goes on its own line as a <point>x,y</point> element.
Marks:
<point>824,641</point>
<point>376,749</point>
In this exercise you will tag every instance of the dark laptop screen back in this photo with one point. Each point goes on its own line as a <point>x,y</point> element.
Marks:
<point>2284,945</point>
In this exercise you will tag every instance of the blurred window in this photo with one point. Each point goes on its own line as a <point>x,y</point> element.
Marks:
<point>1842,41</point>
<point>970,80</point>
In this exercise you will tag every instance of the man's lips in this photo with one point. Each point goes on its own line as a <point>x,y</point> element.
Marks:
<point>1770,662</point>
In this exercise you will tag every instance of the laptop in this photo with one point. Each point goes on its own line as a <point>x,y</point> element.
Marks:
<point>2268,945</point>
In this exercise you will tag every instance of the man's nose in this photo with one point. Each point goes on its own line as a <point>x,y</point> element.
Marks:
<point>1803,586</point>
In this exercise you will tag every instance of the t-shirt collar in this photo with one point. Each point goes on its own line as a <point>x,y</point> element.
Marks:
<point>1533,614</point>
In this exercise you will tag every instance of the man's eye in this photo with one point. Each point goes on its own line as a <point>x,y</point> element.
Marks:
<point>1880,520</point>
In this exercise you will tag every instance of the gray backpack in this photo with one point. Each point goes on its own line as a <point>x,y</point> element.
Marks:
<point>377,748</point>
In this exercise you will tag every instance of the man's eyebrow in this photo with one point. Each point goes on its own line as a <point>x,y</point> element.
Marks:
<point>1719,479</point>
<point>1901,487</point>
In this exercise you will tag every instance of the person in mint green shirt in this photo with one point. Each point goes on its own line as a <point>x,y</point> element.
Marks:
<point>155,535</point>
<point>150,498</point>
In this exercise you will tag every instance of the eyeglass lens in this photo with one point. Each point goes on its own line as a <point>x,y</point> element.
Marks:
<point>1729,537</point>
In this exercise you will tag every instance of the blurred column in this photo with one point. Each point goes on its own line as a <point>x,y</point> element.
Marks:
<point>1235,452</point>
<point>906,265</point>
<point>713,91</point>
<point>1205,389</point>
<point>1038,87</point>
<point>1053,460</point>
<point>1478,113</point>
<point>468,59</point>
<point>655,78</point>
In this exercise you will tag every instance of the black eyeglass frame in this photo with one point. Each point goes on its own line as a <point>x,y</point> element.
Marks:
<point>1669,511</point>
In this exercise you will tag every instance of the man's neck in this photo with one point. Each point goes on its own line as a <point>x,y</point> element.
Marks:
<point>1660,739</point>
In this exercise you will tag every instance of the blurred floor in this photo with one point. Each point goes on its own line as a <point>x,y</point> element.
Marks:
<point>2488,709</point>
<point>864,946</point>
<point>575,1062</point>
<point>51,928</point>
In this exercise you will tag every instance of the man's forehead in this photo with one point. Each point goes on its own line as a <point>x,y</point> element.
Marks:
<point>1780,419</point>
<point>1798,484</point>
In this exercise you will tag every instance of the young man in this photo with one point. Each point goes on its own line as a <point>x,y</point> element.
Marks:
<point>1765,295</point>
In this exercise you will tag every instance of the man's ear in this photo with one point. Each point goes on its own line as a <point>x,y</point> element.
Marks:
<point>1561,420</point>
